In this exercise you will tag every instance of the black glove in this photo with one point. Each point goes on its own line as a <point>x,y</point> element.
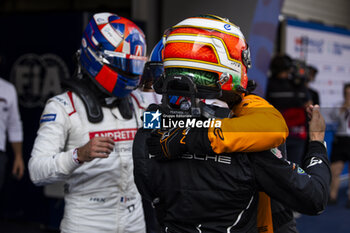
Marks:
<point>169,144</point>
<point>175,142</point>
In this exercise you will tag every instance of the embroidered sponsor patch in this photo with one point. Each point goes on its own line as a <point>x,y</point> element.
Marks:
<point>301,171</point>
<point>48,117</point>
<point>314,161</point>
<point>277,152</point>
<point>62,101</point>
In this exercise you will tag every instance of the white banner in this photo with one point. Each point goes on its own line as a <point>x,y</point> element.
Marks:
<point>328,49</point>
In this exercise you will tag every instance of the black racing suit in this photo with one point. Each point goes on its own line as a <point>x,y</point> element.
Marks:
<point>219,193</point>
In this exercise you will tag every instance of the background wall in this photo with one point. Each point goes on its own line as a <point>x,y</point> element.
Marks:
<point>159,15</point>
<point>240,13</point>
<point>331,12</point>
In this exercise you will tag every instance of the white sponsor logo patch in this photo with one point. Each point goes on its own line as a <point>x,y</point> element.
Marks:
<point>314,161</point>
<point>101,18</point>
<point>111,35</point>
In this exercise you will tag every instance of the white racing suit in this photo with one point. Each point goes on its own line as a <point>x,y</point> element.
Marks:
<point>100,195</point>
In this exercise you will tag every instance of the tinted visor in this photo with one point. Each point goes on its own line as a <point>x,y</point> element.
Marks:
<point>128,63</point>
<point>152,71</point>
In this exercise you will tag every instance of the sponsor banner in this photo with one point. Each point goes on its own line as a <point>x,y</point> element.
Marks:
<point>326,48</point>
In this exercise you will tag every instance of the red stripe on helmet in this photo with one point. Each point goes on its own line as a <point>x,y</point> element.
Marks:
<point>107,78</point>
<point>234,44</point>
<point>190,51</point>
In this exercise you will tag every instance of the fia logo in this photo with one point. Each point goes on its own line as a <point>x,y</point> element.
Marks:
<point>38,77</point>
<point>151,120</point>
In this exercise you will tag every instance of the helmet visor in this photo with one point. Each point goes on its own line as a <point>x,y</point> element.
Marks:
<point>128,63</point>
<point>152,71</point>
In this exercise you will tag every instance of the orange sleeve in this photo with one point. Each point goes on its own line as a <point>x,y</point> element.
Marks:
<point>257,126</point>
<point>264,216</point>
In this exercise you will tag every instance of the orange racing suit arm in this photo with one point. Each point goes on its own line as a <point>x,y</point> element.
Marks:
<point>256,126</point>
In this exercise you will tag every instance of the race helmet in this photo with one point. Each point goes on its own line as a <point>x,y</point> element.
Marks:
<point>154,67</point>
<point>211,50</point>
<point>113,53</point>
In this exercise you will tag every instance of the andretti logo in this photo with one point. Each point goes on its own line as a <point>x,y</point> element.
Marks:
<point>118,134</point>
